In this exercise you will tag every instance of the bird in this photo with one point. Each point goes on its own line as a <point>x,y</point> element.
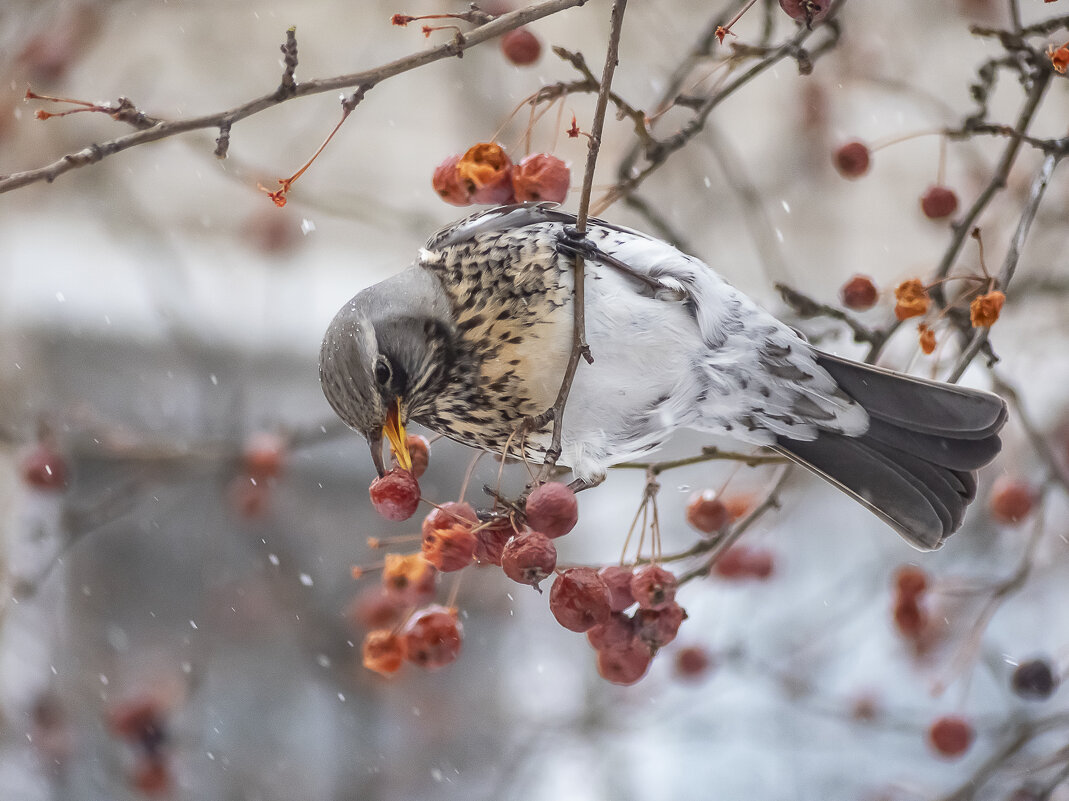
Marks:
<point>472,342</point>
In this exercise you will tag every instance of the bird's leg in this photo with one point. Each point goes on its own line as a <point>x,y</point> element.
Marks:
<point>580,484</point>
<point>573,243</point>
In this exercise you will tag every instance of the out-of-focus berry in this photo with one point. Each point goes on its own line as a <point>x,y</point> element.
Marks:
<point>744,562</point>
<point>395,495</point>
<point>939,202</point>
<point>1035,679</point>
<point>376,608</point>
<point>1011,500</point>
<point>951,736</point>
<point>409,576</point>
<point>852,160</point>
<point>43,467</point>
<point>806,11</point>
<point>264,454</point>
<point>706,512</point>
<point>151,776</point>
<point>521,47</point>
<point>383,651</point>
<point>579,599</point>
<point>692,662</point>
<point>910,582</point>
<point>859,293</point>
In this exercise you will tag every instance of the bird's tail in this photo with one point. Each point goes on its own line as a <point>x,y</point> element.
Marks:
<point>916,465</point>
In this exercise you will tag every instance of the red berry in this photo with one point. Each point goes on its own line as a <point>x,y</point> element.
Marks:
<point>446,182</point>
<point>658,627</point>
<point>43,467</point>
<point>541,176</point>
<point>449,549</point>
<point>706,512</point>
<point>151,776</point>
<point>552,509</point>
<point>939,202</point>
<point>653,587</point>
<point>806,11</point>
<point>692,662</point>
<point>1011,500</point>
<point>910,582</point>
<point>395,495</point>
<point>579,599</point>
<point>521,47</point>
<point>448,515</point>
<point>852,160</point>
<point>625,664</point>
<point>617,630</point>
<point>1034,679</point>
<point>486,170</point>
<point>419,451</point>
<point>432,637</point>
<point>529,558</point>
<point>951,736</point>
<point>383,651</point>
<point>490,541</point>
<point>618,579</point>
<point>263,455</point>
<point>859,293</point>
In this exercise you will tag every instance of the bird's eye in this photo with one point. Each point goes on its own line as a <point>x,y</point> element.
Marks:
<point>382,371</point>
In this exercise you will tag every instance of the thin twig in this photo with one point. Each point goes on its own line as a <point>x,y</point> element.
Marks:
<point>580,349</point>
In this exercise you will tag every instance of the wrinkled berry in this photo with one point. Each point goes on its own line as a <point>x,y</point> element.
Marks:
<point>486,171</point>
<point>552,509</point>
<point>447,183</point>
<point>432,637</point>
<point>541,176</point>
<point>1011,500</point>
<point>618,579</point>
<point>448,515</point>
<point>706,512</point>
<point>383,651</point>
<point>395,495</point>
<point>625,664</point>
<point>658,627</point>
<point>449,549</point>
<point>490,541</point>
<point>409,576</point>
<point>579,599</point>
<point>529,558</point>
<point>653,587</point>
<point>617,630</point>
<point>419,452</point>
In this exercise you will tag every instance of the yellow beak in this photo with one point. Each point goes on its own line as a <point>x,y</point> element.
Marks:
<point>395,433</point>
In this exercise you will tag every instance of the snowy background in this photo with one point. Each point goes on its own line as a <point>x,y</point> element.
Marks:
<point>156,311</point>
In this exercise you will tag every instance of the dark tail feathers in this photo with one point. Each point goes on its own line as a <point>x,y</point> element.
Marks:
<point>916,465</point>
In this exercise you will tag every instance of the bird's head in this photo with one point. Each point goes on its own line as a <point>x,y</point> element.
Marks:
<point>385,355</point>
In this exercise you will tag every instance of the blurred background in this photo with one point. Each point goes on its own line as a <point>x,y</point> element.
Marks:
<point>178,614</point>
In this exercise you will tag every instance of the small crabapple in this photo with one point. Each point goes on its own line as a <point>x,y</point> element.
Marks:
<point>395,495</point>
<point>579,599</point>
<point>552,509</point>
<point>653,587</point>
<point>706,512</point>
<point>1011,500</point>
<point>529,558</point>
<point>859,293</point>
<point>625,664</point>
<point>432,637</point>
<point>383,651</point>
<point>521,47</point>
<point>618,580</point>
<point>852,159</point>
<point>939,202</point>
<point>951,736</point>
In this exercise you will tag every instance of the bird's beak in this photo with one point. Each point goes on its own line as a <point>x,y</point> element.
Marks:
<point>374,439</point>
<point>395,432</point>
